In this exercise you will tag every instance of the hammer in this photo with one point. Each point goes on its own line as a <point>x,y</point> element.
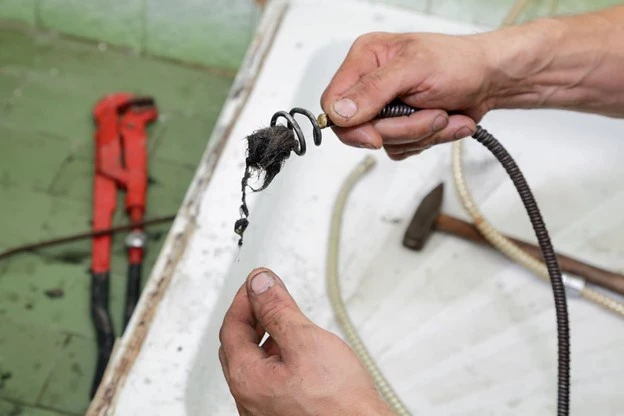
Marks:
<point>428,218</point>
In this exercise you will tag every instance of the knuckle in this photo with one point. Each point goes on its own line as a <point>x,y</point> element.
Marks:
<point>365,39</point>
<point>372,83</point>
<point>223,331</point>
<point>439,139</point>
<point>248,383</point>
<point>416,132</point>
<point>242,382</point>
<point>273,310</point>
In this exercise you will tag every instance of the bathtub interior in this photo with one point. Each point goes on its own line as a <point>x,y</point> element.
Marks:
<point>455,323</point>
<point>456,328</point>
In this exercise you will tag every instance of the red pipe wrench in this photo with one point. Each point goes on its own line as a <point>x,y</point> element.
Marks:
<point>120,163</point>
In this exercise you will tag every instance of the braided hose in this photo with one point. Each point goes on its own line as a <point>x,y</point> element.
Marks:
<point>508,247</point>
<point>335,297</point>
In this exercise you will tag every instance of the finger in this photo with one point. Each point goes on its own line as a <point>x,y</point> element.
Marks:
<point>410,129</point>
<point>400,149</point>
<point>238,335</point>
<point>370,94</point>
<point>360,60</point>
<point>364,135</point>
<point>241,410</point>
<point>458,127</point>
<point>260,331</point>
<point>276,310</point>
<point>403,156</point>
<point>224,365</point>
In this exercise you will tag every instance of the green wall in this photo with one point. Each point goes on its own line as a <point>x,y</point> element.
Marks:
<point>216,33</point>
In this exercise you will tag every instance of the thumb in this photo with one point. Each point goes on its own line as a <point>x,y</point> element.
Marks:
<point>274,308</point>
<point>366,98</point>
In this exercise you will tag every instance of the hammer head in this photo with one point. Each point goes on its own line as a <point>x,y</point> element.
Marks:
<point>422,223</point>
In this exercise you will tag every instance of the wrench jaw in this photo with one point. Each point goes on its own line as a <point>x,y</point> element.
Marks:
<point>120,163</point>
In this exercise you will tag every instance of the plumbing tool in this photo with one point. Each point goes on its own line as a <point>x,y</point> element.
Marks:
<point>428,217</point>
<point>292,136</point>
<point>120,162</point>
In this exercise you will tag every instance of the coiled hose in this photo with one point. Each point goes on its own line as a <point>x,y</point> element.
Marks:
<point>548,252</point>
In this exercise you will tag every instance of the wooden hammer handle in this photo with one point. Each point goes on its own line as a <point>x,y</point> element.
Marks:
<point>593,274</point>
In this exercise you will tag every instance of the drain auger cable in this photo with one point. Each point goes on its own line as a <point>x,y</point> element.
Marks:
<point>548,253</point>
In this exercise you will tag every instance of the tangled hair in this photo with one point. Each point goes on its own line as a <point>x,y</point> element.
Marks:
<point>267,150</point>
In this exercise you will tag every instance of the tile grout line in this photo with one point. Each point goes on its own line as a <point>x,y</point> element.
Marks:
<point>37,11</point>
<point>44,386</point>
<point>226,72</point>
<point>20,403</point>
<point>143,34</point>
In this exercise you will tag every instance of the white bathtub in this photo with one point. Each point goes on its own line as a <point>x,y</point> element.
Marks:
<point>456,328</point>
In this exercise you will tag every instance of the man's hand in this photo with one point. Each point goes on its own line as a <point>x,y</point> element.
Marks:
<point>300,370</point>
<point>432,72</point>
<point>569,62</point>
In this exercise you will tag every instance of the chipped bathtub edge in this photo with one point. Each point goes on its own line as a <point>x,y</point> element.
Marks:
<point>184,225</point>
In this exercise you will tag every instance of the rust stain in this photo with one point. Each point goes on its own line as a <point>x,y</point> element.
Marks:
<point>106,396</point>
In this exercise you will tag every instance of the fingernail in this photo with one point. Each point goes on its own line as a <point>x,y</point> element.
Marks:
<point>463,132</point>
<point>345,107</point>
<point>262,282</point>
<point>439,123</point>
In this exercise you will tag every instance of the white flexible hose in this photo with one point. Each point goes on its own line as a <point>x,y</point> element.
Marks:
<point>335,297</point>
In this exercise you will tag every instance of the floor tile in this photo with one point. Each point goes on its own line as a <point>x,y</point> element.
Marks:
<point>27,355</point>
<point>72,119</point>
<point>30,160</point>
<point>23,51</point>
<point>18,10</point>
<point>32,216</point>
<point>69,384</point>
<point>49,289</point>
<point>77,76</point>
<point>9,83</point>
<point>58,109</point>
<point>114,21</point>
<point>214,33</point>
<point>169,186</point>
<point>485,12</point>
<point>580,6</point>
<point>184,138</point>
<point>8,408</point>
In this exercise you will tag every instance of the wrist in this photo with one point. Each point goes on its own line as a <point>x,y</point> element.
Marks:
<point>566,63</point>
<point>515,57</point>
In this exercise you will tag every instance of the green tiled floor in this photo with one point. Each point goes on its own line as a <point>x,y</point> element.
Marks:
<point>48,86</point>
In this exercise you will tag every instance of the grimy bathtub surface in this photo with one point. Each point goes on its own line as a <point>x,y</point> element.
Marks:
<point>457,328</point>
